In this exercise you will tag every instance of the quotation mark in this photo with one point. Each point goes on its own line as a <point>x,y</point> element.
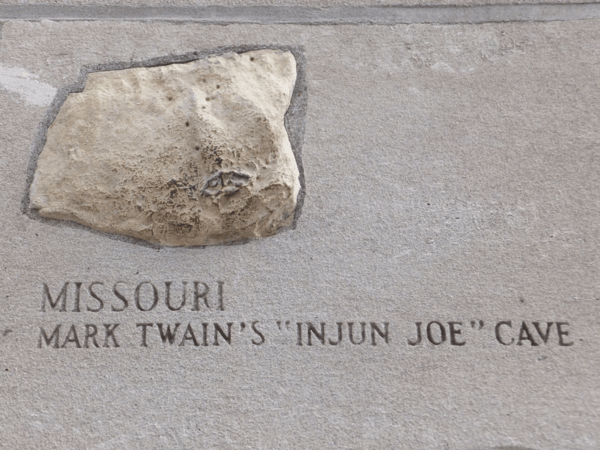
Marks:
<point>477,324</point>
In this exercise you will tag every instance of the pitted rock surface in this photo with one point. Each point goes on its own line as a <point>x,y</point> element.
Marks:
<point>181,155</point>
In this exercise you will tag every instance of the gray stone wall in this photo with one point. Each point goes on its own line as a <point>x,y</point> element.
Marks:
<point>450,155</point>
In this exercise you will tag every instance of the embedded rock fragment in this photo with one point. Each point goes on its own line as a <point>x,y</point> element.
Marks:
<point>182,154</point>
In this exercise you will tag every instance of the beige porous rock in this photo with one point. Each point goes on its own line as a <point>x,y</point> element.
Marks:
<point>181,154</point>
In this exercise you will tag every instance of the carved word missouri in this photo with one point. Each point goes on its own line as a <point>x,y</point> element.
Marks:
<point>95,296</point>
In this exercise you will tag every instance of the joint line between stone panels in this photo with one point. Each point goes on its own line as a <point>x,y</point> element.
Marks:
<point>374,15</point>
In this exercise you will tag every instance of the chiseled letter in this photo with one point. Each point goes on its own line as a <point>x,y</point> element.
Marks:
<point>109,329</point>
<point>507,323</point>
<point>525,335</point>
<point>53,339</point>
<point>562,333</point>
<point>62,296</point>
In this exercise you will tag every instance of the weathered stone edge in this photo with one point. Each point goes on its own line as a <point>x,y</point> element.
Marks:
<point>294,124</point>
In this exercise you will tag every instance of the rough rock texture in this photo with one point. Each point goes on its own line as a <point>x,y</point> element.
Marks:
<point>183,154</point>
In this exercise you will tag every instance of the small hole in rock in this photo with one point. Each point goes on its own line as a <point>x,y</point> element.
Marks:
<point>170,98</point>
<point>218,87</point>
<point>207,99</point>
<point>251,59</point>
<point>197,148</point>
<point>187,124</point>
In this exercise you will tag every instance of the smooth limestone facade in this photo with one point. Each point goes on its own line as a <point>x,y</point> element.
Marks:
<point>438,289</point>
